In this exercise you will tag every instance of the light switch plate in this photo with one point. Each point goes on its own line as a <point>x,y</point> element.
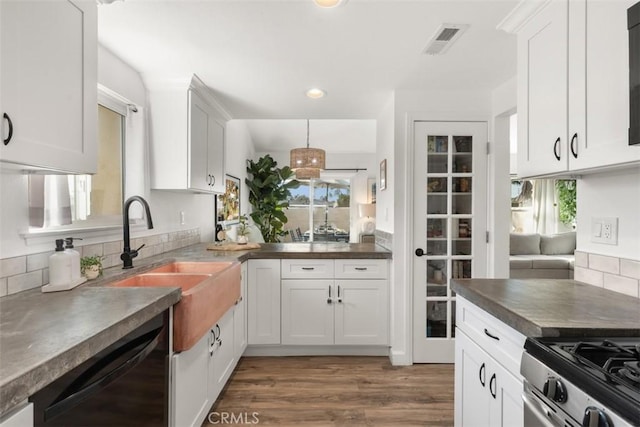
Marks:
<point>604,230</point>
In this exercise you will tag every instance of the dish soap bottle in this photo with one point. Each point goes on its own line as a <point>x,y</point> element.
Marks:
<point>75,259</point>
<point>60,266</point>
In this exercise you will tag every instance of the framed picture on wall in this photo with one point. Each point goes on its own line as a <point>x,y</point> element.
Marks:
<point>383,175</point>
<point>228,203</point>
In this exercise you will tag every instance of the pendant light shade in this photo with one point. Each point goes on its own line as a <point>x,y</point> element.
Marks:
<point>307,162</point>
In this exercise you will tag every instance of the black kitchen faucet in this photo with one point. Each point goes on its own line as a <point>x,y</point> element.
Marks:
<point>128,255</point>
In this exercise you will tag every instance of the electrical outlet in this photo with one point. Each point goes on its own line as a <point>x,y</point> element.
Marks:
<point>604,230</point>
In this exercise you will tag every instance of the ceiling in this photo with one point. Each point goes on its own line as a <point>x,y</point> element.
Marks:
<point>259,57</point>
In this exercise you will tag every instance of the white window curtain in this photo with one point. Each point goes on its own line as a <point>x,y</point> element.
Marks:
<point>49,201</point>
<point>545,206</point>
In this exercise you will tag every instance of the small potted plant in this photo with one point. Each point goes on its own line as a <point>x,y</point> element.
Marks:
<point>243,231</point>
<point>91,266</point>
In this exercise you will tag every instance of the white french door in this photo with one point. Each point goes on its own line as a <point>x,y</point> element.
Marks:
<point>449,228</point>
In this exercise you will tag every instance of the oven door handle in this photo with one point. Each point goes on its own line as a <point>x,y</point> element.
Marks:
<point>533,406</point>
<point>77,391</point>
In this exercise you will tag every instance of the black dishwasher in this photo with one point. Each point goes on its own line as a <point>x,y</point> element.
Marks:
<point>126,384</point>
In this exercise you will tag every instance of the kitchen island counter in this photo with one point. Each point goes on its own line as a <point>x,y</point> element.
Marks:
<point>554,307</point>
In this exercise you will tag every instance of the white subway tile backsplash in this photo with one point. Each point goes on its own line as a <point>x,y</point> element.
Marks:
<point>13,266</point>
<point>38,261</point>
<point>591,277</point>
<point>93,250</point>
<point>111,248</point>
<point>604,263</point>
<point>25,281</point>
<point>582,259</point>
<point>621,284</point>
<point>3,287</point>
<point>26,272</point>
<point>630,268</point>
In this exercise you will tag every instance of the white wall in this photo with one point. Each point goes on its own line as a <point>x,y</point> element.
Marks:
<point>385,146</point>
<point>610,194</point>
<point>239,149</point>
<point>416,105</point>
<point>503,105</point>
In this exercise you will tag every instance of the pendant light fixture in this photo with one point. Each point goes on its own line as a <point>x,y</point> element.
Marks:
<point>307,162</point>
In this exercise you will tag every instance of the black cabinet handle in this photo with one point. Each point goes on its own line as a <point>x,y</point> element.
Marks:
<point>308,268</point>
<point>556,149</point>
<point>490,335</point>
<point>419,252</point>
<point>574,148</point>
<point>213,180</point>
<point>482,374</point>
<point>8,139</point>
<point>329,300</point>
<point>361,268</point>
<point>492,385</point>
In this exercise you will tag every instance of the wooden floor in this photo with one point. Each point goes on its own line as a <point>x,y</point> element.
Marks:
<point>335,391</point>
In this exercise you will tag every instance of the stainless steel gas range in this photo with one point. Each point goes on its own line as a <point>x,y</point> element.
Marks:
<point>586,382</point>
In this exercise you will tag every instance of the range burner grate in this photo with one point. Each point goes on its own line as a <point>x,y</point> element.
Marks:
<point>610,357</point>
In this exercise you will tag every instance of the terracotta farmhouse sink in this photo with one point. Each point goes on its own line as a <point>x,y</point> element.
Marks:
<point>209,289</point>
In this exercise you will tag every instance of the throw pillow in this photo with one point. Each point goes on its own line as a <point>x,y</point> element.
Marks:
<point>524,244</point>
<point>558,244</point>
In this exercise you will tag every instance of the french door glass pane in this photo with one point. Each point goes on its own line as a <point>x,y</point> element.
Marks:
<point>436,319</point>
<point>437,278</point>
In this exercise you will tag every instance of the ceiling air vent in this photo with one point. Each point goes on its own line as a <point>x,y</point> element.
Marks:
<point>444,38</point>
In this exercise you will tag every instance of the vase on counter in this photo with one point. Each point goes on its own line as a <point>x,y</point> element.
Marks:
<point>242,240</point>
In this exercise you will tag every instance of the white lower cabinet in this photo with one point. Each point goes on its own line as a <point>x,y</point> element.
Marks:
<point>488,385</point>
<point>21,416</point>
<point>200,373</point>
<point>222,360</point>
<point>190,393</point>
<point>263,301</point>
<point>343,302</point>
<point>240,316</point>
<point>486,394</point>
<point>307,312</point>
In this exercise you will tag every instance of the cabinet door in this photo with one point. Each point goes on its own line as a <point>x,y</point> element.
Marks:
<point>362,312</point>
<point>240,316</point>
<point>472,396</point>
<point>542,92</point>
<point>48,84</point>
<point>215,156</point>
<point>507,406</point>
<point>599,95</point>
<point>199,132</point>
<point>223,358</point>
<point>263,301</point>
<point>307,312</point>
<point>190,394</point>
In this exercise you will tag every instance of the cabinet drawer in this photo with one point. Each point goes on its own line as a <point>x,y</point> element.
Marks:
<point>307,269</point>
<point>501,341</point>
<point>361,268</point>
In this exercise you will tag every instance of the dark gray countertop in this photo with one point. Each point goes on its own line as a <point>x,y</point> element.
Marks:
<point>554,307</point>
<point>43,336</point>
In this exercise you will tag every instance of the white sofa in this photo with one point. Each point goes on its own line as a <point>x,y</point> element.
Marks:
<point>536,256</point>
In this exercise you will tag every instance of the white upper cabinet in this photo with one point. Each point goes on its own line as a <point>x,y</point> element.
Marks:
<point>573,87</point>
<point>188,137</point>
<point>599,84</point>
<point>48,82</point>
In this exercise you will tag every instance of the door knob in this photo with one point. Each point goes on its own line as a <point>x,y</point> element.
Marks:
<point>419,252</point>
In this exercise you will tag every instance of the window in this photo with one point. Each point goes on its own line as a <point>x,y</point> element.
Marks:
<point>57,201</point>
<point>544,206</point>
<point>321,210</point>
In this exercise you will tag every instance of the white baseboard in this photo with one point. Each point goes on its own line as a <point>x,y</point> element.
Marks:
<point>301,350</point>
<point>400,358</point>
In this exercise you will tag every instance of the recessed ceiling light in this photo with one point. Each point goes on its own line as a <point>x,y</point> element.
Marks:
<point>329,3</point>
<point>315,93</point>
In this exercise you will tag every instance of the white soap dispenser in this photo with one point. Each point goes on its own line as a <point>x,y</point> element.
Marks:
<point>62,265</point>
<point>59,266</point>
<point>75,259</point>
